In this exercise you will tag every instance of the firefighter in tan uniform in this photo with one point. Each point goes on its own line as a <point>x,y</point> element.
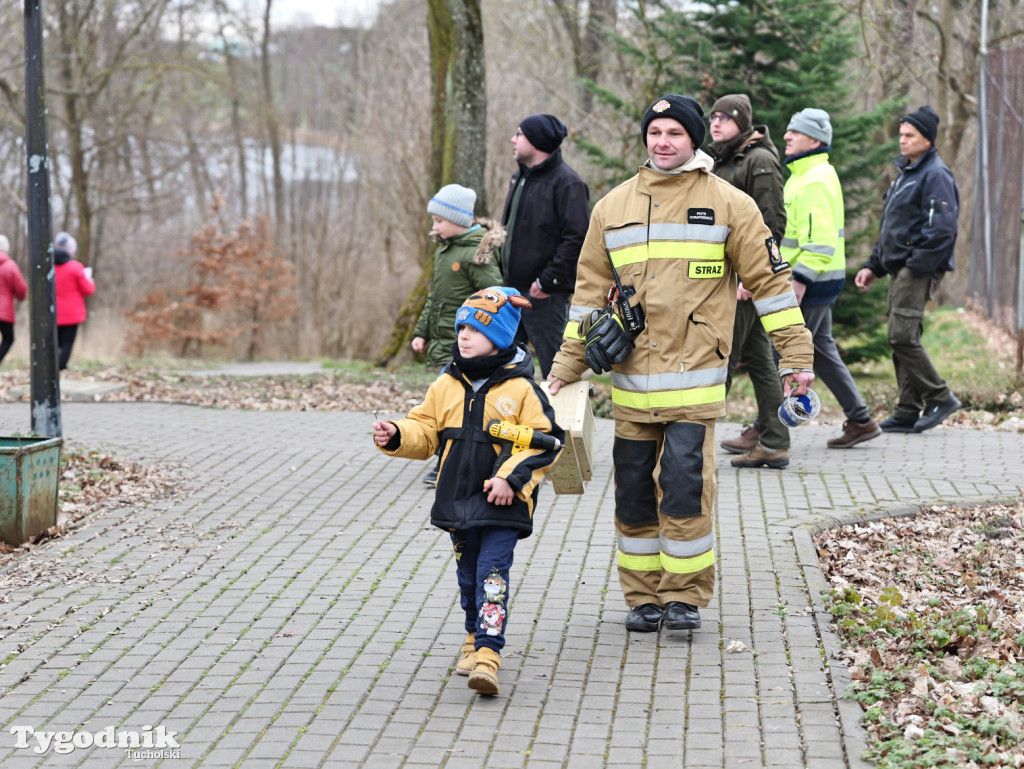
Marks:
<point>679,237</point>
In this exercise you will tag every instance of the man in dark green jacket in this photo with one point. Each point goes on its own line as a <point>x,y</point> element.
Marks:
<point>746,158</point>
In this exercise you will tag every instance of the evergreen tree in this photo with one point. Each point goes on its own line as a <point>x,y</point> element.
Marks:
<point>786,55</point>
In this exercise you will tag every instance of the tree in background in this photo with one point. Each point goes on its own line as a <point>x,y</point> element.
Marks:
<point>238,285</point>
<point>458,137</point>
<point>787,55</point>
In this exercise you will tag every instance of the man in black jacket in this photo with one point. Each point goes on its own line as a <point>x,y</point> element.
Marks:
<point>546,218</point>
<point>915,246</point>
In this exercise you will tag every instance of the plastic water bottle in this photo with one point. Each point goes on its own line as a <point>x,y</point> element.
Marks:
<point>797,409</point>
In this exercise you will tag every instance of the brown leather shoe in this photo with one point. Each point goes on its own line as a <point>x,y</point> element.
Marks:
<point>762,456</point>
<point>854,433</point>
<point>744,443</point>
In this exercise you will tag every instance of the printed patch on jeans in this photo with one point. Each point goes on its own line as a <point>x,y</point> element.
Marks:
<point>707,269</point>
<point>492,613</point>
<point>494,588</point>
<point>700,216</point>
<point>492,618</point>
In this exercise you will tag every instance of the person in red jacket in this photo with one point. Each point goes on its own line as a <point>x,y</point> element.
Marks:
<point>73,284</point>
<point>12,287</point>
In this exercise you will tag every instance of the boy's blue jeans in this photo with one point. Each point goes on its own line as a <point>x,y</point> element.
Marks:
<point>483,559</point>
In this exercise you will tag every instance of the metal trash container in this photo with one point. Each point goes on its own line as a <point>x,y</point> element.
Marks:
<point>29,477</point>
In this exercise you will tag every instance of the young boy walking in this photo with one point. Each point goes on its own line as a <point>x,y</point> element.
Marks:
<point>465,261</point>
<point>485,505</point>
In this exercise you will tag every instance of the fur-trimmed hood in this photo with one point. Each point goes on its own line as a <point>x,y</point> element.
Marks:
<point>493,239</point>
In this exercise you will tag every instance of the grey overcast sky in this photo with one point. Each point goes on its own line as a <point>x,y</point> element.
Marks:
<point>325,12</point>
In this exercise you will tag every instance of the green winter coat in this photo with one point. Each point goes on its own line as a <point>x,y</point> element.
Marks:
<point>462,266</point>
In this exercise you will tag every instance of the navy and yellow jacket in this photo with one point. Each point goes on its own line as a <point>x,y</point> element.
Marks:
<point>453,416</point>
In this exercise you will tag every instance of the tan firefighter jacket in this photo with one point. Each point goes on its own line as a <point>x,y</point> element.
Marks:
<point>681,241</point>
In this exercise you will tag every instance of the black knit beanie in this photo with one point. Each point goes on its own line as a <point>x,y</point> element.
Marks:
<point>545,132</point>
<point>682,108</point>
<point>925,120</point>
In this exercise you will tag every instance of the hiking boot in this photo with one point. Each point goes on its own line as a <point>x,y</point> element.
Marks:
<point>681,616</point>
<point>467,656</point>
<point>933,415</point>
<point>744,443</point>
<point>645,618</point>
<point>854,433</point>
<point>484,678</point>
<point>762,456</point>
<point>894,425</point>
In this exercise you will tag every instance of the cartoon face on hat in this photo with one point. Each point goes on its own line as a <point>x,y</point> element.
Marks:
<point>494,312</point>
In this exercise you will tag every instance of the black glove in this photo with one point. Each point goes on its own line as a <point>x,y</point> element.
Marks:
<point>606,342</point>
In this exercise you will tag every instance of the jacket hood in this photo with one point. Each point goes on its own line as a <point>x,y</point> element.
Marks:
<point>701,161</point>
<point>520,365</point>
<point>757,136</point>
<point>491,236</point>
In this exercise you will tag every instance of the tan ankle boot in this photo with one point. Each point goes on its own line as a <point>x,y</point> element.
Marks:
<point>467,656</point>
<point>484,678</point>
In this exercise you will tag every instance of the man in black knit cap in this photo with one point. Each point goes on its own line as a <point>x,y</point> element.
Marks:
<point>546,216</point>
<point>915,246</point>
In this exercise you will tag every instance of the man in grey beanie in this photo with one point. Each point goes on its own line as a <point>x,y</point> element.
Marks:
<point>915,246</point>
<point>815,244</point>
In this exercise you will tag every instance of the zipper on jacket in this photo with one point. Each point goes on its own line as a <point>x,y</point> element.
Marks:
<point>931,211</point>
<point>810,228</point>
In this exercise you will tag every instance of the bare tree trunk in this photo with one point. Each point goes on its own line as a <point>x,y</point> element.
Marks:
<point>76,144</point>
<point>458,80</point>
<point>600,22</point>
<point>273,128</point>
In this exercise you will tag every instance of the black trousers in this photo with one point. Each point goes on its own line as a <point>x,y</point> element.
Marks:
<point>6,338</point>
<point>65,341</point>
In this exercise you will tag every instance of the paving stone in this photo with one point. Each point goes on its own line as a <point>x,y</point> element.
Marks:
<point>302,533</point>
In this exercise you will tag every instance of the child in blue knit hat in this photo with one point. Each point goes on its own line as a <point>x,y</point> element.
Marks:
<point>486,507</point>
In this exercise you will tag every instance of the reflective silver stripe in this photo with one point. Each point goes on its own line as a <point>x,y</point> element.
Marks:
<point>633,236</point>
<point>790,243</point>
<point>776,303</point>
<point>682,380</point>
<point>629,237</point>
<point>639,545</point>
<point>687,549</point>
<point>815,277</point>
<point>842,232</point>
<point>816,249</point>
<point>710,233</point>
<point>577,311</point>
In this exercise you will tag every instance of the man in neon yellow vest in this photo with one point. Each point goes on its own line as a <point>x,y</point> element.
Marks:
<point>814,245</point>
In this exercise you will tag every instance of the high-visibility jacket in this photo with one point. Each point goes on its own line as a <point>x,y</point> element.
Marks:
<point>680,240</point>
<point>815,241</point>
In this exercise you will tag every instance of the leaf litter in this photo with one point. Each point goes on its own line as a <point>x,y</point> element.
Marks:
<point>930,610</point>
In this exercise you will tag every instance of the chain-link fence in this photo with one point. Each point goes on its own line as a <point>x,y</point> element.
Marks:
<point>996,281</point>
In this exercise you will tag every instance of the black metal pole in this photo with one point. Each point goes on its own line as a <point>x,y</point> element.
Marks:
<point>46,419</point>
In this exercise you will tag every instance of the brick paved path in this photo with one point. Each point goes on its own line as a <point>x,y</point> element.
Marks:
<point>297,609</point>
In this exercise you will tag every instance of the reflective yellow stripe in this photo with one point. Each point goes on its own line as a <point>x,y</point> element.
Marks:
<point>572,330</point>
<point>630,255</point>
<point>667,249</point>
<point>687,565</point>
<point>639,562</point>
<point>687,250</point>
<point>666,399</point>
<point>777,320</point>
